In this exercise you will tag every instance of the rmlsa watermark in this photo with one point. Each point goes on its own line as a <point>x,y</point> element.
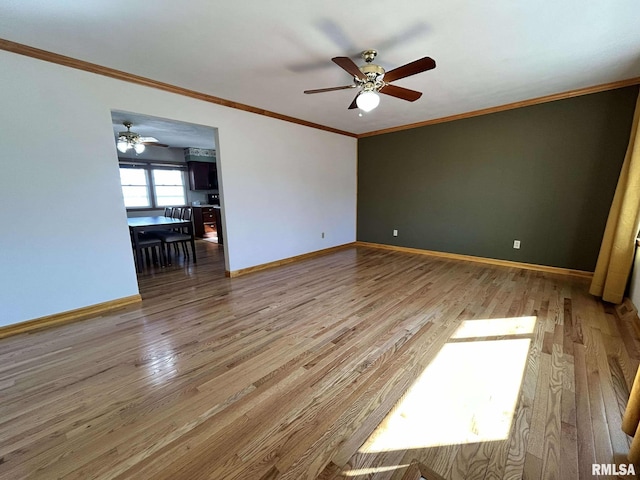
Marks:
<point>612,469</point>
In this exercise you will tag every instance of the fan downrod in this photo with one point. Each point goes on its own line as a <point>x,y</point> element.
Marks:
<point>373,72</point>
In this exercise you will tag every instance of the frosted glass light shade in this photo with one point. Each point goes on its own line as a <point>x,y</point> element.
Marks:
<point>123,146</point>
<point>367,101</point>
<point>138,147</point>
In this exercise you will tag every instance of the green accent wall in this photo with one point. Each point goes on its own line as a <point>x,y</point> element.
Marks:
<point>544,175</point>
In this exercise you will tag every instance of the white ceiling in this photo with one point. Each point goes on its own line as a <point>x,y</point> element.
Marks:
<point>265,53</point>
<point>169,132</point>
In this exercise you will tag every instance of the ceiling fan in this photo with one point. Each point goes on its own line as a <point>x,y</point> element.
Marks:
<point>372,79</point>
<point>129,139</point>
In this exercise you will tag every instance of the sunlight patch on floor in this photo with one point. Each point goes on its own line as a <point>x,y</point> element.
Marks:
<point>495,327</point>
<point>368,471</point>
<point>467,394</point>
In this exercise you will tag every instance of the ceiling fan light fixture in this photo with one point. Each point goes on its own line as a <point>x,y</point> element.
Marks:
<point>373,79</point>
<point>367,101</point>
<point>122,145</point>
<point>131,140</point>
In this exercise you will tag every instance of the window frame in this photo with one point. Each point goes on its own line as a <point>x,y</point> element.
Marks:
<point>148,168</point>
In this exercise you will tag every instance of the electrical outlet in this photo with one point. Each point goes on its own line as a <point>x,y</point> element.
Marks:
<point>395,233</point>
<point>516,244</point>
<point>322,235</point>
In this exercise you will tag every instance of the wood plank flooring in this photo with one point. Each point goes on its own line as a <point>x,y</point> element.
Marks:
<point>300,372</point>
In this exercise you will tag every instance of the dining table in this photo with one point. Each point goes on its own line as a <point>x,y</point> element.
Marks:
<point>155,223</point>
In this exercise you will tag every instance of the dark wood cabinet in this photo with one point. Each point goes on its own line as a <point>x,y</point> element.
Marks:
<point>202,175</point>
<point>203,216</point>
<point>207,215</point>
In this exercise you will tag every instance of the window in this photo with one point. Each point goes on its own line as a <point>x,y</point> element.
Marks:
<point>152,185</point>
<point>169,187</point>
<point>135,187</point>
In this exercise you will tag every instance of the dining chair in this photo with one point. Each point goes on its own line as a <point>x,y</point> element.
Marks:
<point>167,211</point>
<point>151,244</point>
<point>186,213</point>
<point>176,237</point>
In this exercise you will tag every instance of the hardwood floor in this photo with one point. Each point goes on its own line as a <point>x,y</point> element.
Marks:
<point>287,373</point>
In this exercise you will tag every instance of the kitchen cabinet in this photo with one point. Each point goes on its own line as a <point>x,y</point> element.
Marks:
<point>203,215</point>
<point>202,175</point>
<point>218,215</point>
<point>207,215</point>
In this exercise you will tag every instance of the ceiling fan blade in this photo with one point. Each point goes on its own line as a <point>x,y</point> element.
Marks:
<point>401,92</point>
<point>418,66</point>
<point>330,89</point>
<point>148,139</point>
<point>353,104</point>
<point>154,144</point>
<point>347,64</point>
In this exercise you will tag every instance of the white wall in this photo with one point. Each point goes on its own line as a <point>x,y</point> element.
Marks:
<point>65,243</point>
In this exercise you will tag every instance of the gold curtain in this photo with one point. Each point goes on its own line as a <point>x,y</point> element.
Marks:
<point>618,245</point>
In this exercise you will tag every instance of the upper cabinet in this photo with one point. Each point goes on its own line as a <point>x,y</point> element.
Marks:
<point>202,176</point>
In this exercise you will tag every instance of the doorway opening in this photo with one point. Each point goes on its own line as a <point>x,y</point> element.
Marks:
<point>168,166</point>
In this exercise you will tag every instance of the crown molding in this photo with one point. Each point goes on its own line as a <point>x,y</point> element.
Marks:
<point>510,106</point>
<point>71,62</point>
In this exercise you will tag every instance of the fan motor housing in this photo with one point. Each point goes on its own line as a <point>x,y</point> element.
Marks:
<point>372,69</point>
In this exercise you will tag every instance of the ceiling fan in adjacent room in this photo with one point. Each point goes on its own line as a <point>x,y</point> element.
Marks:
<point>128,140</point>
<point>372,79</point>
